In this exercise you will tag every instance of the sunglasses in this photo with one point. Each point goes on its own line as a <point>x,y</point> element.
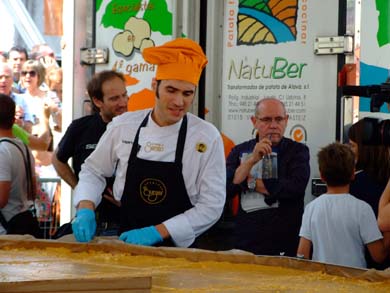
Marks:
<point>32,73</point>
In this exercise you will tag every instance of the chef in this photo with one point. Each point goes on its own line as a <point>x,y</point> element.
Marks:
<point>169,164</point>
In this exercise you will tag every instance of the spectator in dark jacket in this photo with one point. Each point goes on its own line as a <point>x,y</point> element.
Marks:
<point>270,212</point>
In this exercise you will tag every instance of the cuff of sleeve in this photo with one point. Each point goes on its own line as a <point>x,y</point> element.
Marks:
<point>78,197</point>
<point>180,230</point>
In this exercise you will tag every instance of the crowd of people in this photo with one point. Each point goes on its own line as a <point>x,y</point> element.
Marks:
<point>159,176</point>
<point>34,82</point>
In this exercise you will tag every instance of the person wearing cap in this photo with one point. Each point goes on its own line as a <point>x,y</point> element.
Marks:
<point>169,164</point>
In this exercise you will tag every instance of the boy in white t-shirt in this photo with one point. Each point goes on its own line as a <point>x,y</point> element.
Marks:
<point>336,226</point>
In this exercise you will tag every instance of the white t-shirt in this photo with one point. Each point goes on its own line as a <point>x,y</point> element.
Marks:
<point>13,170</point>
<point>339,226</point>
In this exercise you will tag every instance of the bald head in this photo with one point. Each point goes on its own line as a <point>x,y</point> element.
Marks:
<point>269,101</point>
<point>5,79</point>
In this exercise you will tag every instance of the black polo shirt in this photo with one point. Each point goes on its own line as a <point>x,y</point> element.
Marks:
<point>80,140</point>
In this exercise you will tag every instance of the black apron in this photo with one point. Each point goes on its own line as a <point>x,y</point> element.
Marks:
<point>154,191</point>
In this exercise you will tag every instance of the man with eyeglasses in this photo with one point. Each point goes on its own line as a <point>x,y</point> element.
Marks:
<point>268,223</point>
<point>23,116</point>
<point>107,90</point>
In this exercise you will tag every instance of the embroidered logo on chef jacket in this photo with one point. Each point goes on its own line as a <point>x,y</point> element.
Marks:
<point>201,147</point>
<point>153,191</point>
<point>153,147</point>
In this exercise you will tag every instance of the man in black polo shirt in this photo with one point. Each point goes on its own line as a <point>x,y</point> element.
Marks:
<point>107,90</point>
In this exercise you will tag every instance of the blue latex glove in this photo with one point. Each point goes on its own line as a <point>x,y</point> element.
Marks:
<point>84,225</point>
<point>144,236</point>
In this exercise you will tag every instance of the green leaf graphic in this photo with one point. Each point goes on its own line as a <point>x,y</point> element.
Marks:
<point>119,11</point>
<point>158,16</point>
<point>383,35</point>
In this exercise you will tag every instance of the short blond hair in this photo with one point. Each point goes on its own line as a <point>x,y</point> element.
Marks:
<point>36,66</point>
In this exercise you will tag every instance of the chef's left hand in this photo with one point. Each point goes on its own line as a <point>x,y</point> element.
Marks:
<point>144,236</point>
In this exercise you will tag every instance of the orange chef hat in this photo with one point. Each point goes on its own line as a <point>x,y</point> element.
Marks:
<point>181,59</point>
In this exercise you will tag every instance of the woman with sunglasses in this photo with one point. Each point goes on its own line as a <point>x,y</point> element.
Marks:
<point>41,102</point>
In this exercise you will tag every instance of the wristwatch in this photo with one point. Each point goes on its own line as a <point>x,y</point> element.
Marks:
<point>251,184</point>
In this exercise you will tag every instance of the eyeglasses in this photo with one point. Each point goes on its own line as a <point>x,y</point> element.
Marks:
<point>268,120</point>
<point>32,73</point>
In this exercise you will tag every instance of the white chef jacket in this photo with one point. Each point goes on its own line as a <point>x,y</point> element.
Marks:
<point>204,170</point>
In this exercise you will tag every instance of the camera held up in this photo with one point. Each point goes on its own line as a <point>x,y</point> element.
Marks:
<point>375,131</point>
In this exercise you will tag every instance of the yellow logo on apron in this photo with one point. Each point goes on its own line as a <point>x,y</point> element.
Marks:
<point>153,191</point>
<point>201,147</point>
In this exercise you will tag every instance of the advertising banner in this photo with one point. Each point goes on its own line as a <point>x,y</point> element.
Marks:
<point>269,52</point>
<point>126,28</point>
<point>375,51</point>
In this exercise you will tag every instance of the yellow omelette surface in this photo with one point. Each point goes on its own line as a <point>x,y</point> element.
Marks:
<point>172,274</point>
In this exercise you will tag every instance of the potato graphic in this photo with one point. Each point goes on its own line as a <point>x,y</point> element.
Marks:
<point>146,43</point>
<point>140,29</point>
<point>123,43</point>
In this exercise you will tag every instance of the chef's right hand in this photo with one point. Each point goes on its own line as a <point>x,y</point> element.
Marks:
<point>84,225</point>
